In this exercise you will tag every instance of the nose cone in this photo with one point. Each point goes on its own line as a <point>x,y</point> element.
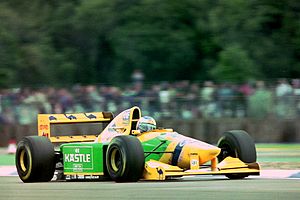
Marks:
<point>206,152</point>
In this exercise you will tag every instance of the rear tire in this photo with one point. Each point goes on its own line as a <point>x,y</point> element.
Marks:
<point>237,144</point>
<point>125,159</point>
<point>35,159</point>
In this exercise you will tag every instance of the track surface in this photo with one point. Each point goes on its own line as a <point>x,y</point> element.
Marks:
<point>197,188</point>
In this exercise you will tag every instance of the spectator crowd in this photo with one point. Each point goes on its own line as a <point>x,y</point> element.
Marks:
<point>181,99</point>
<point>178,100</point>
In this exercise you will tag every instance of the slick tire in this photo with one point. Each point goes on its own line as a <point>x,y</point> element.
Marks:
<point>125,159</point>
<point>237,144</point>
<point>35,159</point>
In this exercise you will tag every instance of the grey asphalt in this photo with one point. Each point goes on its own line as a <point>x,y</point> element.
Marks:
<point>193,188</point>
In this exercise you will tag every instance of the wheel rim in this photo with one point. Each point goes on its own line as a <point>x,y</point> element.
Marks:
<point>23,160</point>
<point>116,159</point>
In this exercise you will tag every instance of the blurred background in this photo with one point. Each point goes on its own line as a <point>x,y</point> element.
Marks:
<point>199,66</point>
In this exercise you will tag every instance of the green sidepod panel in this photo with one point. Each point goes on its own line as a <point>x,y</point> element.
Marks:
<point>83,158</point>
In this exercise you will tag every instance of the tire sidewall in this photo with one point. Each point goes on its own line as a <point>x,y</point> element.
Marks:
<point>23,147</point>
<point>39,159</point>
<point>240,145</point>
<point>116,145</point>
<point>132,159</point>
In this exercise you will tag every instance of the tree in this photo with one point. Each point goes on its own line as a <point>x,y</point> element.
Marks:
<point>103,41</point>
<point>160,42</point>
<point>234,65</point>
<point>265,28</point>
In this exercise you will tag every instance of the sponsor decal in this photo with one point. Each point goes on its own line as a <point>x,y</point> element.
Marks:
<point>182,143</point>
<point>78,158</point>
<point>70,117</point>
<point>126,117</point>
<point>52,118</point>
<point>160,173</point>
<point>45,134</point>
<point>162,137</point>
<point>173,134</point>
<point>195,162</point>
<point>90,116</point>
<point>43,127</point>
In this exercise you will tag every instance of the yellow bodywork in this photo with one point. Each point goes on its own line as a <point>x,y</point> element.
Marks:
<point>155,170</point>
<point>46,120</point>
<point>196,147</point>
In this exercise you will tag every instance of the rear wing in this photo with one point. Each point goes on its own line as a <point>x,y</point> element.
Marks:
<point>46,120</point>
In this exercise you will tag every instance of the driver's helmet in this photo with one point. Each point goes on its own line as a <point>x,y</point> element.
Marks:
<point>146,124</point>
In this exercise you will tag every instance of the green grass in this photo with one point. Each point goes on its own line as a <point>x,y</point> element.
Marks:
<point>279,154</point>
<point>279,159</point>
<point>7,159</point>
<point>278,146</point>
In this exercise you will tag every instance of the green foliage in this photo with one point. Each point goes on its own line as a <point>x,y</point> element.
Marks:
<point>235,65</point>
<point>76,41</point>
<point>264,28</point>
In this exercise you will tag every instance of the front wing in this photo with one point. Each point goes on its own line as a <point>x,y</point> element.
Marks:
<point>155,170</point>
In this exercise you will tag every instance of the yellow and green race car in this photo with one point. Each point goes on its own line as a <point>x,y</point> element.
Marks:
<point>124,154</point>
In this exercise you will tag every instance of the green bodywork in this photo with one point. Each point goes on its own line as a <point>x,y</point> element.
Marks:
<point>89,158</point>
<point>83,158</point>
<point>153,146</point>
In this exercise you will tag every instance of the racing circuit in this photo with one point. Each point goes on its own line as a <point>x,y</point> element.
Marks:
<point>279,179</point>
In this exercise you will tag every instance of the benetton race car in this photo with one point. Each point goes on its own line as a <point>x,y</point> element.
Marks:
<point>124,154</point>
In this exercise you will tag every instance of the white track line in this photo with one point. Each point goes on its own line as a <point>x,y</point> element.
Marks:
<point>8,171</point>
<point>275,173</point>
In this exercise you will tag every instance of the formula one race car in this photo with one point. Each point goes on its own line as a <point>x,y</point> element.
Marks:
<point>124,154</point>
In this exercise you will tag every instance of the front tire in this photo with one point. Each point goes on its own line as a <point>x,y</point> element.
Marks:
<point>237,144</point>
<point>125,159</point>
<point>35,159</point>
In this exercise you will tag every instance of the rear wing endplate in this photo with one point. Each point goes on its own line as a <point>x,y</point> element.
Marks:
<point>45,120</point>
